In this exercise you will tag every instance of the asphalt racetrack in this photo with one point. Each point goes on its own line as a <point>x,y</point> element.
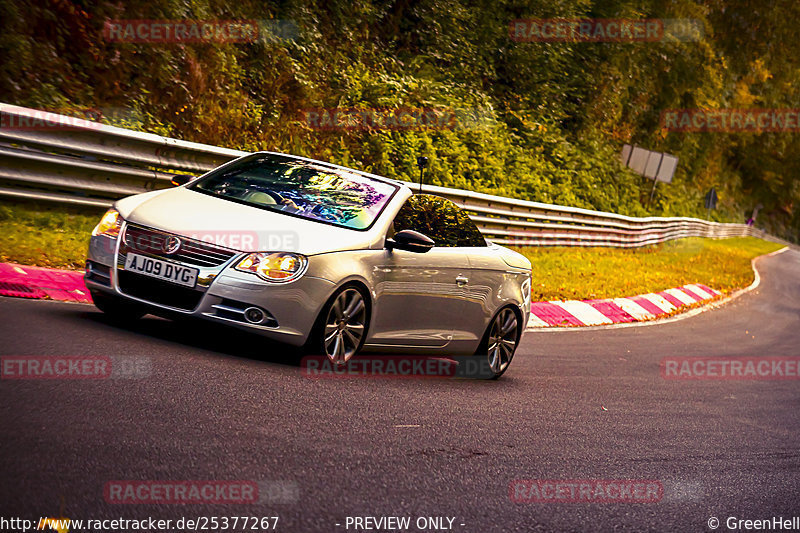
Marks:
<point>213,404</point>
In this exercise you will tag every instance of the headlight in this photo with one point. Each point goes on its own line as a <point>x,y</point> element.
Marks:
<point>279,267</point>
<point>109,224</point>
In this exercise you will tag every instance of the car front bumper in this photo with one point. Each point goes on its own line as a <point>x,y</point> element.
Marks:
<point>221,294</point>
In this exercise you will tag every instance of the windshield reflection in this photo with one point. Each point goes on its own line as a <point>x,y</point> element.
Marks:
<point>301,188</point>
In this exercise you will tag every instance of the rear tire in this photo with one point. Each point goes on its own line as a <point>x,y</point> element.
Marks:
<point>116,308</point>
<point>500,341</point>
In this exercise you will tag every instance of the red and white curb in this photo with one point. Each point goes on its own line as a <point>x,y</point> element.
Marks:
<point>651,308</point>
<point>24,281</point>
<point>639,308</point>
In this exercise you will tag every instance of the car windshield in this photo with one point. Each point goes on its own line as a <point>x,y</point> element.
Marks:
<point>301,188</point>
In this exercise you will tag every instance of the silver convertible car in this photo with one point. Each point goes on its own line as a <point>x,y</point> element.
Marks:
<point>314,255</point>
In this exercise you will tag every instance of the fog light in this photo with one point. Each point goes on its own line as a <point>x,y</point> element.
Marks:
<point>254,315</point>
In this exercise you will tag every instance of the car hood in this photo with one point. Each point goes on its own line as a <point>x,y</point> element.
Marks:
<point>240,227</point>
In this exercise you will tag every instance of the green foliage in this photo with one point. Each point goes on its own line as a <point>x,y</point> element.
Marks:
<point>552,117</point>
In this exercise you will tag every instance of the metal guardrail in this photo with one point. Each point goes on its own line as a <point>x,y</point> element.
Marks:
<point>56,158</point>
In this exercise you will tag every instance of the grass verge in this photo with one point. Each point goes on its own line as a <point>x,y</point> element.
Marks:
<point>58,237</point>
<point>589,273</point>
<point>46,235</point>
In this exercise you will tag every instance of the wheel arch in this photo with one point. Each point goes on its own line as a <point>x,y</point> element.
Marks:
<point>352,281</point>
<point>518,312</point>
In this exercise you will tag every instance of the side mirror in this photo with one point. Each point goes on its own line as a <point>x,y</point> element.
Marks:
<point>410,241</point>
<point>182,179</point>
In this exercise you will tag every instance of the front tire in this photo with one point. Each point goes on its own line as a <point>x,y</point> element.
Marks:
<point>342,325</point>
<point>116,308</point>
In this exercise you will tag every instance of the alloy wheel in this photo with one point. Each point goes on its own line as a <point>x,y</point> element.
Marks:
<point>345,326</point>
<point>502,340</point>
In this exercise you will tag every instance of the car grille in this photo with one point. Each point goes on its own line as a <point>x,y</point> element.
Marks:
<point>191,251</point>
<point>157,291</point>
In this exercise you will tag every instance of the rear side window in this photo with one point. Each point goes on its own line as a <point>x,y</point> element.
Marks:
<point>440,219</point>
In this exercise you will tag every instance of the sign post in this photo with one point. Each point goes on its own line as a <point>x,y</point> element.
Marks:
<point>711,202</point>
<point>422,162</point>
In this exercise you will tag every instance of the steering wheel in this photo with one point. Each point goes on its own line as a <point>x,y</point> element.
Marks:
<point>248,194</point>
<point>275,196</point>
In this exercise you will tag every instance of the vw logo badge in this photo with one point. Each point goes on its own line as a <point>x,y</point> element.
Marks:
<point>171,245</point>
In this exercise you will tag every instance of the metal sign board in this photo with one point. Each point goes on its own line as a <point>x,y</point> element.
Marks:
<point>668,165</point>
<point>653,162</point>
<point>638,160</point>
<point>654,165</point>
<point>626,153</point>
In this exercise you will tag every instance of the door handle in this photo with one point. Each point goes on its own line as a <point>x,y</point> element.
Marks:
<point>461,281</point>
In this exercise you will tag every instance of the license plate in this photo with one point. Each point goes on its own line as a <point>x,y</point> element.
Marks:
<point>156,268</point>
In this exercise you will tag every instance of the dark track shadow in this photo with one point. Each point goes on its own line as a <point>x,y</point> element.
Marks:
<point>200,334</point>
<point>227,341</point>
